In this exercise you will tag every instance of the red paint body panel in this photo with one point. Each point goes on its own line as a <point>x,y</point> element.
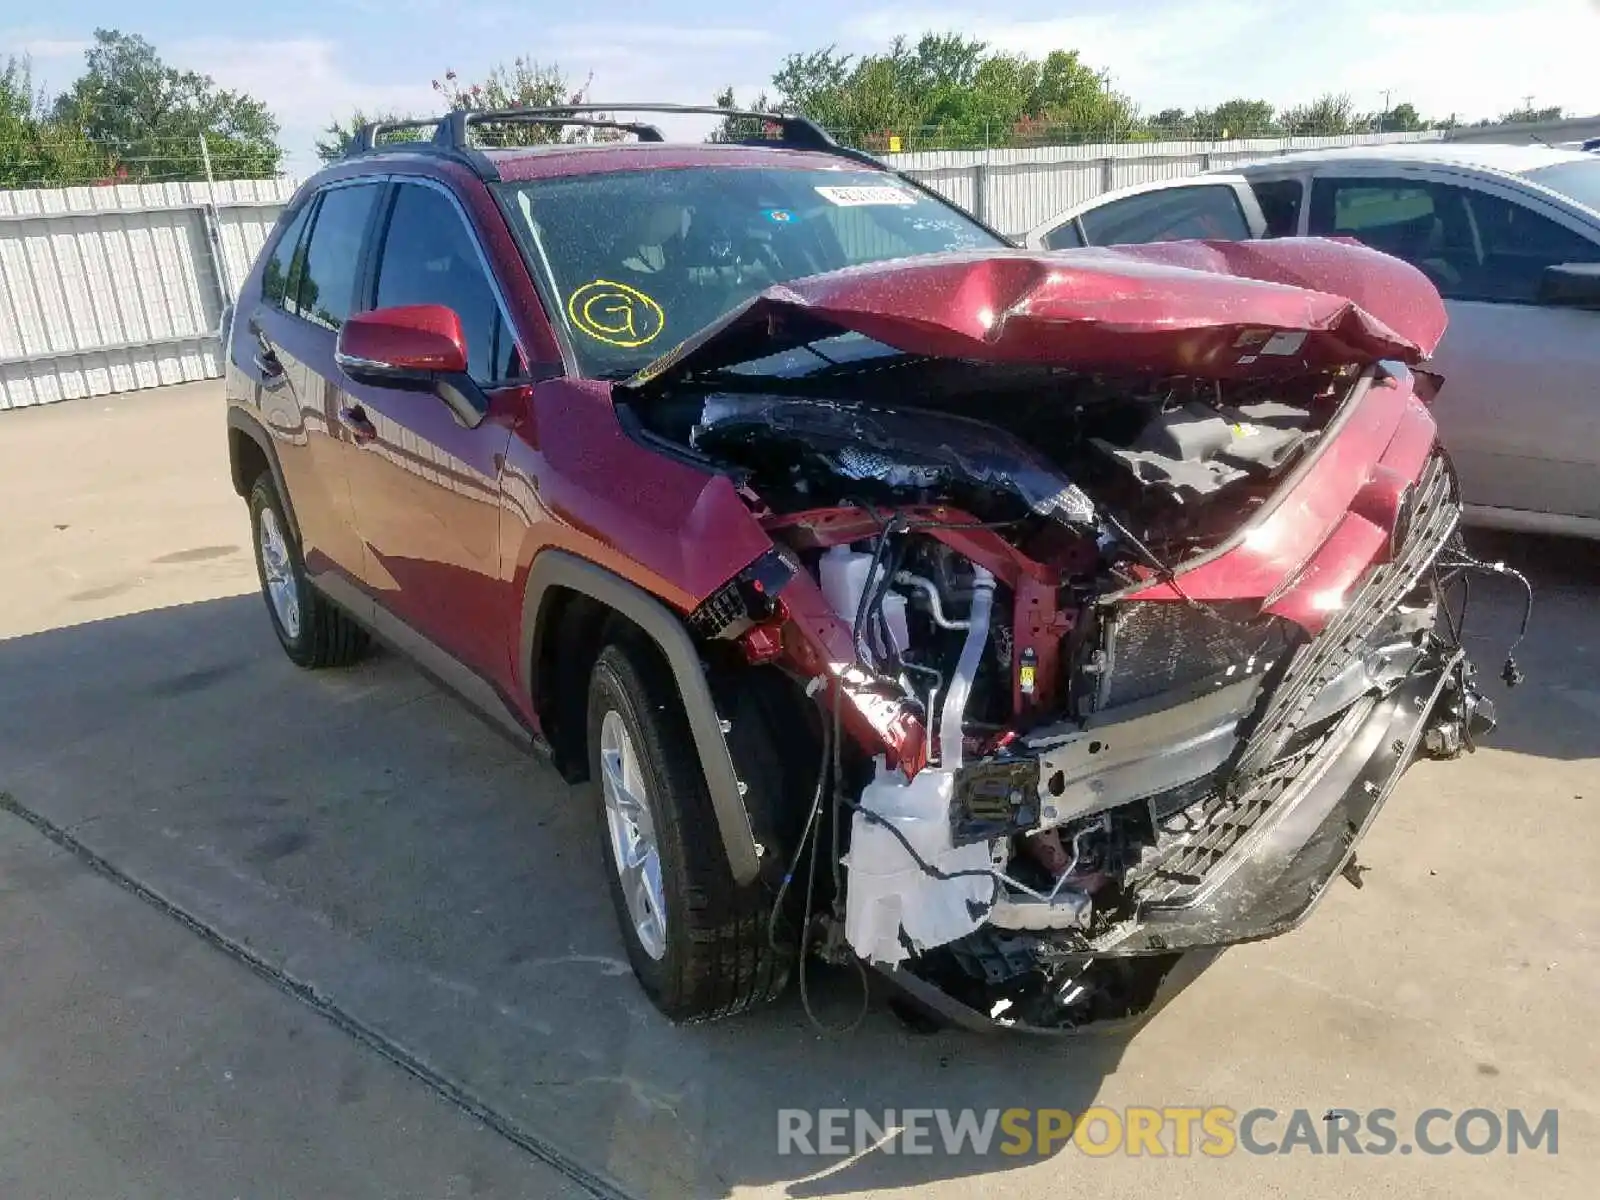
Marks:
<point>518,165</point>
<point>427,501</point>
<point>410,337</point>
<point>1201,309</point>
<point>574,480</point>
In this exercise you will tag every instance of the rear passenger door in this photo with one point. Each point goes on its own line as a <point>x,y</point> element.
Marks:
<point>427,488</point>
<point>309,285</point>
<point>1519,405</point>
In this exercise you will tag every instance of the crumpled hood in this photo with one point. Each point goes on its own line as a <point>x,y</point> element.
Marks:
<point>1213,309</point>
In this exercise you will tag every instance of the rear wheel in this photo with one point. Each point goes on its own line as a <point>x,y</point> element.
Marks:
<point>311,629</point>
<point>698,941</point>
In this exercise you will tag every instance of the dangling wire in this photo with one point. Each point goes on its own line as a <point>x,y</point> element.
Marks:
<point>1510,673</point>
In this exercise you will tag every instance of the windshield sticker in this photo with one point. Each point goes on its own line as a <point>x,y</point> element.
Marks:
<point>781,216</point>
<point>616,314</point>
<point>857,197</point>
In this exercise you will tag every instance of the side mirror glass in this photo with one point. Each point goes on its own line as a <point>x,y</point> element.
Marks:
<point>1571,285</point>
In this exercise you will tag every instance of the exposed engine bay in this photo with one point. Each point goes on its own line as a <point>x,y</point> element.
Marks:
<point>1094,695</point>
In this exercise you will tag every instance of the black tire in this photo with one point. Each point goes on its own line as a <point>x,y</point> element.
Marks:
<point>327,636</point>
<point>717,960</point>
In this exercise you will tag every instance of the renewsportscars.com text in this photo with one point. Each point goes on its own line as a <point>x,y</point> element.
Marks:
<point>1154,1132</point>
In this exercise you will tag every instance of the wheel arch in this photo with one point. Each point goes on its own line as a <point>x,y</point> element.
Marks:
<point>250,451</point>
<point>554,579</point>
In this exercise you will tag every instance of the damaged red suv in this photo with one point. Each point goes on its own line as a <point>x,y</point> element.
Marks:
<point>1028,626</point>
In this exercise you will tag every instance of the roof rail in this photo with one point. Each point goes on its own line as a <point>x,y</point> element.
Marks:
<point>452,130</point>
<point>795,131</point>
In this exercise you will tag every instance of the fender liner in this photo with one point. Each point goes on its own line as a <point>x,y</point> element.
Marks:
<point>558,568</point>
<point>248,426</point>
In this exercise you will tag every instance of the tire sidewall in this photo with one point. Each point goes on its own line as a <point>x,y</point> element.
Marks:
<point>263,496</point>
<point>614,688</point>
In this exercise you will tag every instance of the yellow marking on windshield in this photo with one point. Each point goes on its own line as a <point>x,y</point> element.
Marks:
<point>616,314</point>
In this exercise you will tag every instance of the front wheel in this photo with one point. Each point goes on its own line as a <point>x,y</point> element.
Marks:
<point>698,941</point>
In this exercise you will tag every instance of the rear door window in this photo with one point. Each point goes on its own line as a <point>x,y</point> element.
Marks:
<point>430,257</point>
<point>1473,245</point>
<point>1197,211</point>
<point>333,256</point>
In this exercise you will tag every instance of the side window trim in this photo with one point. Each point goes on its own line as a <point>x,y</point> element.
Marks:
<point>379,243</point>
<point>299,221</point>
<point>297,260</point>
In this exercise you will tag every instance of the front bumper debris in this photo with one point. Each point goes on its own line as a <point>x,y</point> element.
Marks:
<point>1302,835</point>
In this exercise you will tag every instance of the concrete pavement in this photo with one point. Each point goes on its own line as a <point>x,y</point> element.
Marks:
<point>366,836</point>
<point>137,1061</point>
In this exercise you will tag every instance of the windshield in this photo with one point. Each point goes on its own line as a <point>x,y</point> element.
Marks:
<point>1579,181</point>
<point>636,261</point>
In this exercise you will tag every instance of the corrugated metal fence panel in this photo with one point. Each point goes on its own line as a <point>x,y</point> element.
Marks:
<point>117,288</point>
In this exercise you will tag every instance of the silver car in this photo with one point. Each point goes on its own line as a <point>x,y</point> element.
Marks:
<point>1510,235</point>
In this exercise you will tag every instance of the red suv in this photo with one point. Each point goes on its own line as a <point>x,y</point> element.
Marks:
<point>1025,625</point>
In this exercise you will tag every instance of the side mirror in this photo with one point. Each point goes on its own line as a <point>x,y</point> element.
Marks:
<point>1571,285</point>
<point>415,347</point>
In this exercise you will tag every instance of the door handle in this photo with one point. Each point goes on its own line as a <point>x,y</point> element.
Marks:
<point>269,368</point>
<point>355,420</point>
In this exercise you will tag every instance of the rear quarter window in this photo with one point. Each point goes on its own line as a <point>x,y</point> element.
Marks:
<point>280,273</point>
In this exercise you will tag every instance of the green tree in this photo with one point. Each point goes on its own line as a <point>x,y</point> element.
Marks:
<point>36,151</point>
<point>953,90</point>
<point>738,129</point>
<point>1403,118</point>
<point>1236,119</point>
<point>1527,115</point>
<point>338,135</point>
<point>149,118</point>
<point>525,84</point>
<point>1328,114</point>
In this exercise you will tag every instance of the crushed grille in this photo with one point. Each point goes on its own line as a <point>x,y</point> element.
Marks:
<point>1194,840</point>
<point>1431,519</point>
<point>1203,834</point>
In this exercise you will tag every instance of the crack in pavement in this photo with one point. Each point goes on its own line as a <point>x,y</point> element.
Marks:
<point>447,1089</point>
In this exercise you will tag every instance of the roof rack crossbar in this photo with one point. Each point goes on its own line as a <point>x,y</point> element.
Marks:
<point>367,136</point>
<point>453,127</point>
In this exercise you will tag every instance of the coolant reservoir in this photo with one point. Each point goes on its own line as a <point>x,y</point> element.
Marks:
<point>889,892</point>
<point>844,577</point>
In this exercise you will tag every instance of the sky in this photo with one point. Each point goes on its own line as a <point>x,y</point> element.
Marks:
<point>313,60</point>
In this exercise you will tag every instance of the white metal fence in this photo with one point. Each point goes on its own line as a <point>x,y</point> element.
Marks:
<point>111,289</point>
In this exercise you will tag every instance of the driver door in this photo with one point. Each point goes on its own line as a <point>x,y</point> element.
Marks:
<point>426,487</point>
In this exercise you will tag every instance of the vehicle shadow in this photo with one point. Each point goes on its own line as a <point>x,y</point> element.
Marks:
<point>366,835</point>
<point>363,833</point>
